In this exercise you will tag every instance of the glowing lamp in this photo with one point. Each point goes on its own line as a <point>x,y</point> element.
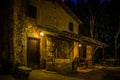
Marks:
<point>41,34</point>
<point>80,45</point>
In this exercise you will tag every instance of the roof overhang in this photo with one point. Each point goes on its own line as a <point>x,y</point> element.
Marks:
<point>68,35</point>
<point>93,41</point>
<point>53,31</point>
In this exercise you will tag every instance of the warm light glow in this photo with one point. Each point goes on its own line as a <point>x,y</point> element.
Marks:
<point>41,34</point>
<point>80,45</point>
<point>89,52</point>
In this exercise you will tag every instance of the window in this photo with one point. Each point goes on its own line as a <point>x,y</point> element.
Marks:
<point>32,11</point>
<point>71,26</point>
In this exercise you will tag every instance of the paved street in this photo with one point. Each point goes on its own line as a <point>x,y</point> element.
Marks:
<point>109,73</point>
<point>6,77</point>
<point>48,75</point>
<point>86,74</point>
<point>99,73</point>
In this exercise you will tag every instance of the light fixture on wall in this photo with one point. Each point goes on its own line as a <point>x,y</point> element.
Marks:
<point>80,45</point>
<point>41,34</point>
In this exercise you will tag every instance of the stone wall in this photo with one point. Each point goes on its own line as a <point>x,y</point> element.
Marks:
<point>19,33</point>
<point>52,14</point>
<point>23,28</point>
<point>63,66</point>
<point>49,14</point>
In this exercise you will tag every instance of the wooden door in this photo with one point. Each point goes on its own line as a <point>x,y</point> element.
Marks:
<point>33,53</point>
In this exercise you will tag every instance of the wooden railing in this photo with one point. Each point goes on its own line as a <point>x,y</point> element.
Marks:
<point>111,62</point>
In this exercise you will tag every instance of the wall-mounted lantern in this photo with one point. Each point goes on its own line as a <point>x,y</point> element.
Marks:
<point>41,34</point>
<point>80,45</point>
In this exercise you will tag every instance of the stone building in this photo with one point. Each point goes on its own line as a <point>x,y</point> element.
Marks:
<point>39,34</point>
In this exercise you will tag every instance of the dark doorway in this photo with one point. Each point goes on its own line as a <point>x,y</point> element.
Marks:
<point>33,53</point>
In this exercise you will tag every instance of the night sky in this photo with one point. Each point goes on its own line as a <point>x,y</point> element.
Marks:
<point>109,8</point>
<point>113,4</point>
<point>107,14</point>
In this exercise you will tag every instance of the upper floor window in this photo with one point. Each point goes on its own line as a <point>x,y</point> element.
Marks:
<point>71,26</point>
<point>32,11</point>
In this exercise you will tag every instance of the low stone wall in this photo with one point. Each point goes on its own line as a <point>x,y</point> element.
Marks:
<point>50,66</point>
<point>62,66</point>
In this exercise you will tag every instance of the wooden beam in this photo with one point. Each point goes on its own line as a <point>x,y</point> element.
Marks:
<point>95,50</point>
